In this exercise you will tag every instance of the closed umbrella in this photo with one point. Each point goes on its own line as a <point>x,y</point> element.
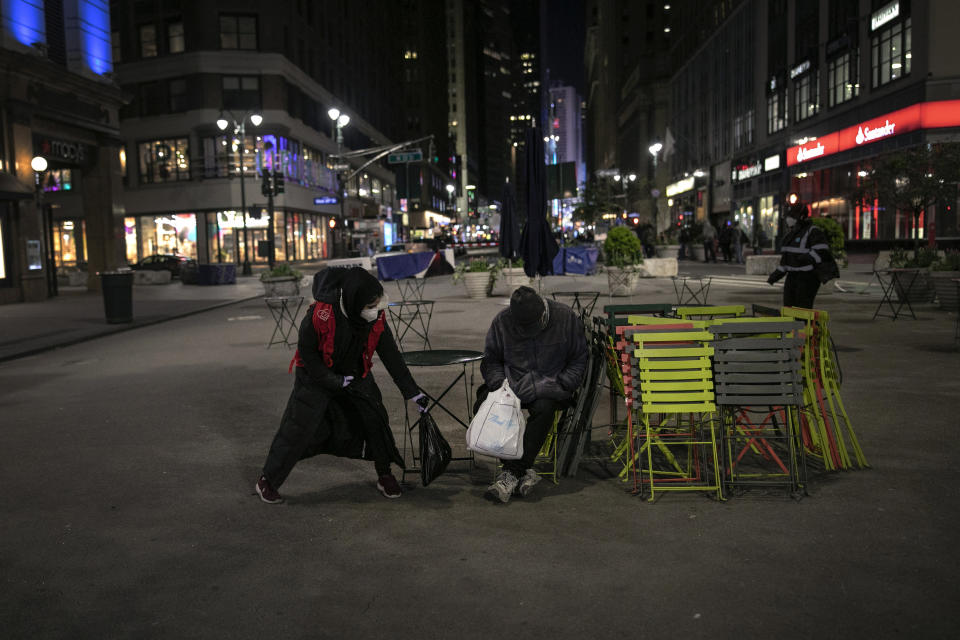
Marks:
<point>508,224</point>
<point>538,247</point>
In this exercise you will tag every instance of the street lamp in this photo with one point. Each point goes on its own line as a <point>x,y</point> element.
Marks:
<point>39,166</point>
<point>239,129</point>
<point>340,120</point>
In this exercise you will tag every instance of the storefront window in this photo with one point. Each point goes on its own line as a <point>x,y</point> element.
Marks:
<point>58,180</point>
<point>806,96</point>
<point>891,53</point>
<point>843,78</point>
<point>743,217</point>
<point>279,244</point>
<point>68,240</point>
<point>164,160</point>
<point>176,234</point>
<point>130,238</point>
<point>3,258</point>
<point>767,224</point>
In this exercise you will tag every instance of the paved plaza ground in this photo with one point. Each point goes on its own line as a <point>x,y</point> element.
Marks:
<point>129,512</point>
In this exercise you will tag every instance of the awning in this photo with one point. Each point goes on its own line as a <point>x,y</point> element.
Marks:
<point>13,189</point>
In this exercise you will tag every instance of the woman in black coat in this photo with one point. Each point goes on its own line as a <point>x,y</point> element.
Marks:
<point>336,406</point>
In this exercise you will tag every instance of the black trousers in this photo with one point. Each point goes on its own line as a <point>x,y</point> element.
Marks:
<point>539,422</point>
<point>800,289</point>
<point>709,252</point>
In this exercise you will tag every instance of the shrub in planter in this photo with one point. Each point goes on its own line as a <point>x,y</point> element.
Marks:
<point>834,232</point>
<point>623,253</point>
<point>478,275</point>
<point>282,280</point>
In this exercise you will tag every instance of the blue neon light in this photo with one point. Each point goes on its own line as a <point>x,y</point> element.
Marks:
<point>93,22</point>
<point>23,19</point>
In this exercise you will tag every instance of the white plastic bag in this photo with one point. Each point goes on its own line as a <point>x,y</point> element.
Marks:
<point>497,429</point>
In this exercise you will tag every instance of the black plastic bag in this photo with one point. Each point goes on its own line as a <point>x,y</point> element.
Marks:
<point>435,452</point>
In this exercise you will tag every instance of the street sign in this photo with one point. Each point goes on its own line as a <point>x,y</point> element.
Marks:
<point>325,200</point>
<point>339,167</point>
<point>414,155</point>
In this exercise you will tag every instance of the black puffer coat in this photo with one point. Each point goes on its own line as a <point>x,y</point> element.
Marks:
<point>320,411</point>
<point>551,364</point>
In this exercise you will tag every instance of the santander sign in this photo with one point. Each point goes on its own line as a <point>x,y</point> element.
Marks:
<point>924,115</point>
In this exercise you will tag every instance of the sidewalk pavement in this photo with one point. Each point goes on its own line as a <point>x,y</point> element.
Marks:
<point>77,315</point>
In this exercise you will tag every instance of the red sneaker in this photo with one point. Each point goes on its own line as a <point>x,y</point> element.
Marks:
<point>267,493</point>
<point>388,486</point>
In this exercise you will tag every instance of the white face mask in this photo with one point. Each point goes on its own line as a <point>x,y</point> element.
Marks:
<point>790,221</point>
<point>369,314</point>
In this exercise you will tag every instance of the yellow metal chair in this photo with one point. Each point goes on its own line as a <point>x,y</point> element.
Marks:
<point>677,412</point>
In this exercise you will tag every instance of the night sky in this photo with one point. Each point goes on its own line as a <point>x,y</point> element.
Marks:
<point>564,37</point>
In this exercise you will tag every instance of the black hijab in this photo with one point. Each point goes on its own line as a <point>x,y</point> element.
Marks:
<point>358,289</point>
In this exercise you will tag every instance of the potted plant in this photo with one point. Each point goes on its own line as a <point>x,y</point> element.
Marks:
<point>478,275</point>
<point>513,274</point>
<point>623,254</point>
<point>282,280</point>
<point>918,286</point>
<point>834,232</point>
<point>943,272</point>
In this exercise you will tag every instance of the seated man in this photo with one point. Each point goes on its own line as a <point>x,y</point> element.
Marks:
<point>538,345</point>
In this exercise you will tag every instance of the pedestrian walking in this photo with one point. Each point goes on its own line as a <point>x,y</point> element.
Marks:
<point>538,346</point>
<point>724,238</point>
<point>335,406</point>
<point>805,258</point>
<point>709,241</point>
<point>737,238</point>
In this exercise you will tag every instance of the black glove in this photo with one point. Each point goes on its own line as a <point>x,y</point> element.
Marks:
<point>776,275</point>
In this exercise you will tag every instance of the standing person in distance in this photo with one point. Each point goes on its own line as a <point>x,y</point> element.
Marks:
<point>538,346</point>
<point>709,241</point>
<point>335,406</point>
<point>805,257</point>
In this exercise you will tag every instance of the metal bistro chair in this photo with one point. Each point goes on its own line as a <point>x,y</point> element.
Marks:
<point>759,391</point>
<point>676,381</point>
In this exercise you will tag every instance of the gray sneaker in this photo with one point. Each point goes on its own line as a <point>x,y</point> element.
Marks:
<point>503,488</point>
<point>528,482</point>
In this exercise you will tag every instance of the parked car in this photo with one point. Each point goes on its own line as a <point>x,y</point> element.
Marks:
<point>164,261</point>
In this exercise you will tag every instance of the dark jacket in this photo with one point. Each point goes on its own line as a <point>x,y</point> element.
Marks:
<point>805,250</point>
<point>551,364</point>
<point>320,407</point>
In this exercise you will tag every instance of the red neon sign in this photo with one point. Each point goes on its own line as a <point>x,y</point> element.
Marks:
<point>925,115</point>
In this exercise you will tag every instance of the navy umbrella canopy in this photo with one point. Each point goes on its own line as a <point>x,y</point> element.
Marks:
<point>538,247</point>
<point>508,224</point>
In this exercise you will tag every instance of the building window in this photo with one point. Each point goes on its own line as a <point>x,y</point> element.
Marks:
<point>115,49</point>
<point>177,89</point>
<point>776,111</point>
<point>238,32</point>
<point>148,41</point>
<point>743,129</point>
<point>843,79</point>
<point>164,160</point>
<point>58,180</point>
<point>891,53</point>
<point>241,92</point>
<point>151,99</point>
<point>806,96</point>
<point>175,39</point>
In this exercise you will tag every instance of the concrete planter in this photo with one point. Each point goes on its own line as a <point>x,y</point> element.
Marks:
<point>623,281</point>
<point>479,283</point>
<point>514,277</point>
<point>668,251</point>
<point>920,291</point>
<point>697,251</point>
<point>282,286</point>
<point>946,289</point>
<point>659,267</point>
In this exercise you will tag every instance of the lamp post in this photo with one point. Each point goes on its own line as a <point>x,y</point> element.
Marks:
<point>340,120</point>
<point>239,129</point>
<point>39,166</point>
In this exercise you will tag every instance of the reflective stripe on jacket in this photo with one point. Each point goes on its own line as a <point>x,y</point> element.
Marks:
<point>805,248</point>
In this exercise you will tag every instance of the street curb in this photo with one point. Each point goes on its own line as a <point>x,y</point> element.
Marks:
<point>121,329</point>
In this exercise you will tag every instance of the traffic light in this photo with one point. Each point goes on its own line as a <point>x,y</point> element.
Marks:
<point>265,185</point>
<point>278,182</point>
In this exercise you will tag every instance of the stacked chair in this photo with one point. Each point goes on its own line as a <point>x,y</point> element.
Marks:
<point>759,393</point>
<point>674,444</point>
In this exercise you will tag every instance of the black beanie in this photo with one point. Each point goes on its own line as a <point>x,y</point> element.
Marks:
<point>527,307</point>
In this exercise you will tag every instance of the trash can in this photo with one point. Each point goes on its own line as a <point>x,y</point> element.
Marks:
<point>117,289</point>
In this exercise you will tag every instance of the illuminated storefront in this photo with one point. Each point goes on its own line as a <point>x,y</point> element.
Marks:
<point>826,170</point>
